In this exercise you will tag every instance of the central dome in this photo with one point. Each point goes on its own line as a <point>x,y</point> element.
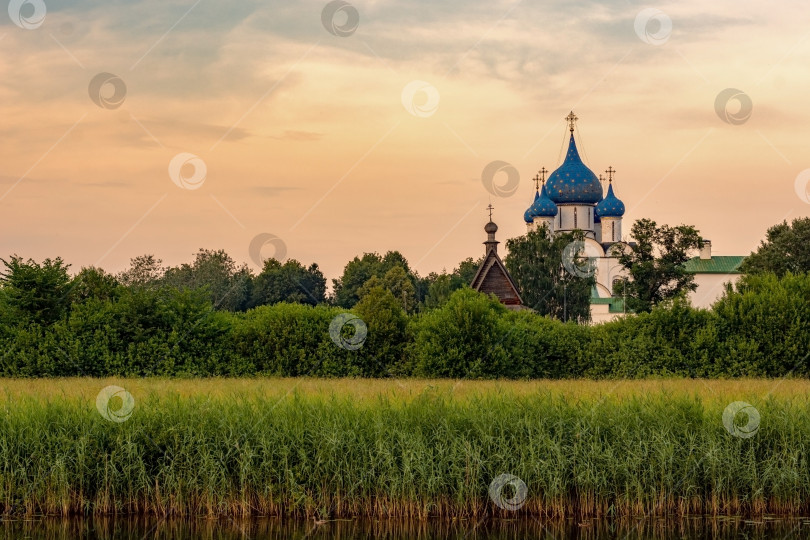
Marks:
<point>573,182</point>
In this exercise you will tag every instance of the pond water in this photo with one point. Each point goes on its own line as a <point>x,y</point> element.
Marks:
<point>527,527</point>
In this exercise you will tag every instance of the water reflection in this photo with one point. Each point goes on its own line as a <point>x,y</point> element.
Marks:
<point>155,529</point>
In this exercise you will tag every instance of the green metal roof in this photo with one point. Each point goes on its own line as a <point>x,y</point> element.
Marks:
<point>615,305</point>
<point>724,264</point>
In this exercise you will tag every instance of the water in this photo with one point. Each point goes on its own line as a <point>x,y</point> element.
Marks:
<point>628,529</point>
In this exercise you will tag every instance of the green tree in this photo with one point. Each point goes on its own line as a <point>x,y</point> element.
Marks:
<point>655,264</point>
<point>535,262</point>
<point>228,285</point>
<point>359,270</point>
<point>144,270</point>
<point>763,326</point>
<point>92,282</point>
<point>465,338</point>
<point>785,249</point>
<point>33,292</point>
<point>289,282</point>
<point>384,348</point>
<point>441,286</point>
<point>398,283</point>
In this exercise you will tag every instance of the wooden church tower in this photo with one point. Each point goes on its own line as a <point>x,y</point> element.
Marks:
<point>492,276</point>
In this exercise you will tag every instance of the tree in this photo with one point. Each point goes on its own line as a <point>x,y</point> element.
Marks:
<point>33,292</point>
<point>466,270</point>
<point>535,262</point>
<point>762,324</point>
<point>655,264</point>
<point>465,338</point>
<point>398,283</point>
<point>383,351</point>
<point>785,249</point>
<point>94,282</point>
<point>441,286</point>
<point>288,282</point>
<point>144,270</point>
<point>228,285</point>
<point>359,270</point>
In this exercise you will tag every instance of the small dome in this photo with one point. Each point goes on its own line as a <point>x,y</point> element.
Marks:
<point>527,215</point>
<point>543,206</point>
<point>490,228</point>
<point>573,181</point>
<point>610,206</point>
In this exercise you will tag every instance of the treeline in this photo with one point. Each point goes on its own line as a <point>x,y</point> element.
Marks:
<point>758,329</point>
<point>214,317</point>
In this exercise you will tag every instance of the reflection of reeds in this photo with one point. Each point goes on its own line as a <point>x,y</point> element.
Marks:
<point>394,529</point>
<point>430,455</point>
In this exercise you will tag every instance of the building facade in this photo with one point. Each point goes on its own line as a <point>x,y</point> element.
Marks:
<point>573,198</point>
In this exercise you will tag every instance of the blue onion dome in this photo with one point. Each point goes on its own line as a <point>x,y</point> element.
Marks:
<point>543,205</point>
<point>573,181</point>
<point>528,217</point>
<point>610,206</point>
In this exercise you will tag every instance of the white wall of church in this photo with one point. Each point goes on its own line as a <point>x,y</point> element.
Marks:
<point>574,216</point>
<point>540,221</point>
<point>611,229</point>
<point>600,313</point>
<point>710,288</point>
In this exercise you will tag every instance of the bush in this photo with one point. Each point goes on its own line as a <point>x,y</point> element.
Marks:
<point>761,328</point>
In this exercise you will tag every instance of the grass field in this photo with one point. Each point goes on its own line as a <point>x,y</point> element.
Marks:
<point>408,448</point>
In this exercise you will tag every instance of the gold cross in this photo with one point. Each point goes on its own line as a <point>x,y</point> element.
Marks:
<point>490,208</point>
<point>543,172</point>
<point>610,172</point>
<point>572,119</point>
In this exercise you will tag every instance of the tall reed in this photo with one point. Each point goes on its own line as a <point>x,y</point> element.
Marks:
<point>432,455</point>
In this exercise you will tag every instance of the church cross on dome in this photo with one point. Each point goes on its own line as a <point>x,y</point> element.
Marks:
<point>610,172</point>
<point>490,208</point>
<point>572,120</point>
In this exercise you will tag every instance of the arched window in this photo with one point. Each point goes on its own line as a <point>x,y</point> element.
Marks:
<point>613,230</point>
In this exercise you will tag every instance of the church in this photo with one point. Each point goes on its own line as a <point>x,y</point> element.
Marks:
<point>573,198</point>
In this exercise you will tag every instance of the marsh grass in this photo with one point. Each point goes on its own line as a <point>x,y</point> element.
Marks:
<point>411,449</point>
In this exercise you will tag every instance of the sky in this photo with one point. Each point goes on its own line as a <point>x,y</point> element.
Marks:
<point>322,130</point>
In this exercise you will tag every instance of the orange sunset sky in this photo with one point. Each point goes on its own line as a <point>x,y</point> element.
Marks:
<point>300,120</point>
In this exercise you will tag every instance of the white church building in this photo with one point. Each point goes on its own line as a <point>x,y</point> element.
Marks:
<point>573,199</point>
